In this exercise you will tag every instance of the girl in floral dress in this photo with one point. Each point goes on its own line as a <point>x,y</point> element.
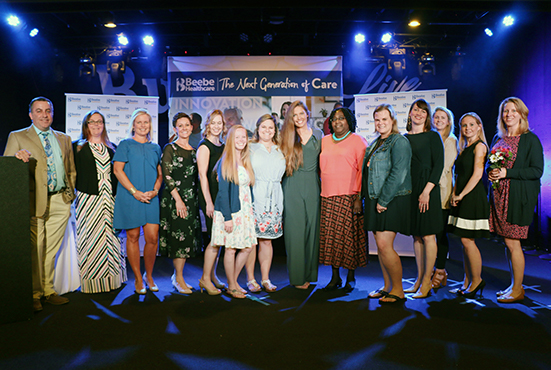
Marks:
<point>233,221</point>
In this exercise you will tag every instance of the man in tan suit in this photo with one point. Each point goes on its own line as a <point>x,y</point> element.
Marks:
<point>53,177</point>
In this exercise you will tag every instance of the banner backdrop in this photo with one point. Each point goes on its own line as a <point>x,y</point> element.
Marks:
<point>255,85</point>
<point>366,103</point>
<point>117,110</point>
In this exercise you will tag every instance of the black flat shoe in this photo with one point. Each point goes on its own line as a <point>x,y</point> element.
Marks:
<point>349,286</point>
<point>333,285</point>
<point>396,299</point>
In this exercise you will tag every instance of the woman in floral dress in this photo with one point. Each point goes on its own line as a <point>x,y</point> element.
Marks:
<point>180,230</point>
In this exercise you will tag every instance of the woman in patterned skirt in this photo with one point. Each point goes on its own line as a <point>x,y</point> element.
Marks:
<point>180,229</point>
<point>342,235</point>
<point>269,166</point>
<point>233,221</point>
<point>515,188</point>
<point>100,260</point>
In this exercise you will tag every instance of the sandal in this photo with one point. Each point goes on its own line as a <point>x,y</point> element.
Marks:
<point>395,298</point>
<point>379,293</point>
<point>306,285</point>
<point>268,286</point>
<point>236,293</point>
<point>253,286</point>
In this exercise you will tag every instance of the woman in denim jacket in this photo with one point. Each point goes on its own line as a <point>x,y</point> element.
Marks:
<point>386,188</point>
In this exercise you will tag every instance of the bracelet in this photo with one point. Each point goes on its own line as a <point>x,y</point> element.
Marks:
<point>156,191</point>
<point>132,190</point>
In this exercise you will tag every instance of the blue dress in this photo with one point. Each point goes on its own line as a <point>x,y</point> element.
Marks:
<point>141,162</point>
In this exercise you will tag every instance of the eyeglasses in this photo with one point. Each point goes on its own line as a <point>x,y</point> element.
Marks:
<point>335,119</point>
<point>95,123</point>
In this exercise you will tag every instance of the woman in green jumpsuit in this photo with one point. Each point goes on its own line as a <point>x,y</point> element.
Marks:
<point>301,145</point>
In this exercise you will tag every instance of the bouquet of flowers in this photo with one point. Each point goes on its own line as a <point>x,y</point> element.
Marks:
<point>499,157</point>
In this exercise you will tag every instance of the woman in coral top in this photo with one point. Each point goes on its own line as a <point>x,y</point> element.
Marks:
<point>342,237</point>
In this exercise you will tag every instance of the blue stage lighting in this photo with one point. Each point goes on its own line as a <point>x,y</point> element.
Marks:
<point>488,32</point>
<point>386,37</point>
<point>13,21</point>
<point>359,38</point>
<point>123,40</point>
<point>148,40</point>
<point>508,20</point>
<point>33,32</point>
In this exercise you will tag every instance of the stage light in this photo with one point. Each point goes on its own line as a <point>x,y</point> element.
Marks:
<point>488,32</point>
<point>386,37</point>
<point>110,25</point>
<point>123,40</point>
<point>244,37</point>
<point>268,38</point>
<point>414,23</point>
<point>397,61</point>
<point>148,40</point>
<point>426,65</point>
<point>33,32</point>
<point>359,38</point>
<point>508,20</point>
<point>13,21</point>
<point>87,66</point>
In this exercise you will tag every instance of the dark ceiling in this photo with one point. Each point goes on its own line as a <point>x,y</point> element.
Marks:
<point>213,29</point>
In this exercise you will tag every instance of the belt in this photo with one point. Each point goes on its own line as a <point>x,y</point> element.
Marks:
<point>50,193</point>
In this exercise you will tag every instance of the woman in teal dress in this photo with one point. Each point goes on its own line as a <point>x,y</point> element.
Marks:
<point>301,146</point>
<point>137,166</point>
<point>180,233</point>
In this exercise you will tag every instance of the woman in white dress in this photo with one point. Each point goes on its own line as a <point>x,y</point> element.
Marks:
<point>269,166</point>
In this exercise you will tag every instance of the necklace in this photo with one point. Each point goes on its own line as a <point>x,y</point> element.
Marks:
<point>342,138</point>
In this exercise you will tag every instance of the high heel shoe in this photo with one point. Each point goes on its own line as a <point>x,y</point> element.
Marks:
<point>214,291</point>
<point>333,285</point>
<point>219,285</point>
<point>153,288</point>
<point>508,298</point>
<point>439,279</point>
<point>177,286</point>
<point>472,294</point>
<point>140,291</point>
<point>412,289</point>
<point>420,295</point>
<point>253,286</point>
<point>268,286</point>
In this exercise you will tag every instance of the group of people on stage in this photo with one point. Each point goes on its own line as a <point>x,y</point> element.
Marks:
<point>322,193</point>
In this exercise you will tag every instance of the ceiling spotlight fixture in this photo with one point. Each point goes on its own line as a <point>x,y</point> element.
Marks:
<point>13,21</point>
<point>426,65</point>
<point>414,23</point>
<point>386,37</point>
<point>268,38</point>
<point>359,38</point>
<point>110,25</point>
<point>33,32</point>
<point>508,20</point>
<point>244,37</point>
<point>148,40</point>
<point>488,32</point>
<point>87,66</point>
<point>123,40</point>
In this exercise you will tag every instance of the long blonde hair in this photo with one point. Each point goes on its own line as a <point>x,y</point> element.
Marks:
<point>229,160</point>
<point>291,145</point>
<point>213,113</point>
<point>481,136</point>
<point>522,109</point>
<point>449,130</point>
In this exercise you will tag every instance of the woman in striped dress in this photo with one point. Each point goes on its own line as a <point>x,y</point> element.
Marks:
<point>101,263</point>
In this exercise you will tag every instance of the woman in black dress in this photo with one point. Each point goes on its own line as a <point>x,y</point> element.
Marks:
<point>209,151</point>
<point>427,163</point>
<point>180,228</point>
<point>470,209</point>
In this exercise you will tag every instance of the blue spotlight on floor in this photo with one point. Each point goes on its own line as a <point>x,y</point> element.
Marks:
<point>13,21</point>
<point>148,40</point>
<point>488,32</point>
<point>508,20</point>
<point>33,32</point>
<point>359,38</point>
<point>123,40</point>
<point>386,37</point>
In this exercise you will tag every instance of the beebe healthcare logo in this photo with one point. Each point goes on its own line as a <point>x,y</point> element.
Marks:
<point>104,107</point>
<point>113,101</point>
<point>74,99</point>
<point>150,102</point>
<point>438,95</point>
<point>122,109</point>
<point>415,97</point>
<point>113,115</point>
<point>399,97</point>
<point>73,114</point>
<point>84,107</point>
<point>195,84</point>
<point>94,100</point>
<point>132,101</point>
<point>381,98</point>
